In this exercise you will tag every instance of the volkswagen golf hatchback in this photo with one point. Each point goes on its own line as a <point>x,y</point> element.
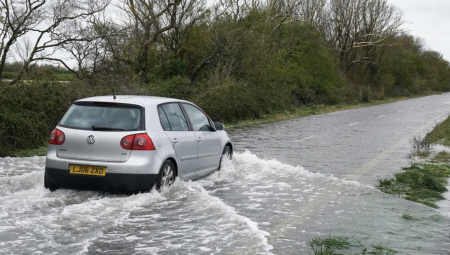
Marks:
<point>132,143</point>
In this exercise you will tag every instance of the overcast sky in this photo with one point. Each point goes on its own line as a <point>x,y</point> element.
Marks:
<point>430,20</point>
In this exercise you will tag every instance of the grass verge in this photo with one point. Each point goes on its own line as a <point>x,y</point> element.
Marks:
<point>440,134</point>
<point>344,245</point>
<point>423,182</point>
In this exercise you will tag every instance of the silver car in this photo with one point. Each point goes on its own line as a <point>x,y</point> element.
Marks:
<point>132,143</point>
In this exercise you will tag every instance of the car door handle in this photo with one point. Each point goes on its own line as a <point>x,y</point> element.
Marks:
<point>199,139</point>
<point>175,141</point>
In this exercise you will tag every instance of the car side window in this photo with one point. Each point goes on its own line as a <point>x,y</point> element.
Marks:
<point>163,118</point>
<point>199,120</point>
<point>176,118</point>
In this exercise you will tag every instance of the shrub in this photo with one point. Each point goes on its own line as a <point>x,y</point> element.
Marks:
<point>30,110</point>
<point>28,113</point>
<point>176,87</point>
<point>8,75</point>
<point>235,100</point>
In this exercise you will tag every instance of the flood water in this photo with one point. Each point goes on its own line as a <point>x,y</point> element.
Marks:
<point>288,182</point>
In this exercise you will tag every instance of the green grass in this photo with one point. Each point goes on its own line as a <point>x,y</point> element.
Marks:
<point>65,76</point>
<point>421,182</point>
<point>441,133</point>
<point>421,147</point>
<point>407,216</point>
<point>379,250</point>
<point>344,245</point>
<point>441,157</point>
<point>58,76</point>
<point>39,151</point>
<point>329,245</point>
<point>9,75</point>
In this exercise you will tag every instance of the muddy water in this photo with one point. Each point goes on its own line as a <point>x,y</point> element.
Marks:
<point>288,182</point>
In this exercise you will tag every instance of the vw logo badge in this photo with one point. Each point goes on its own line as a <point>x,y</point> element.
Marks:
<point>90,139</point>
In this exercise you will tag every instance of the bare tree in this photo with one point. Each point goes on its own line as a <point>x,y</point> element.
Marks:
<point>278,12</point>
<point>189,14</point>
<point>22,49</point>
<point>88,54</point>
<point>289,11</point>
<point>354,28</point>
<point>144,22</point>
<point>51,24</point>
<point>234,10</point>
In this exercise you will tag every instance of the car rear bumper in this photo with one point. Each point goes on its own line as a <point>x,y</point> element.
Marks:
<point>139,163</point>
<point>111,182</point>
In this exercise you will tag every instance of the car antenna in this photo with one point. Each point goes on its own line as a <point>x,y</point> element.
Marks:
<point>114,94</point>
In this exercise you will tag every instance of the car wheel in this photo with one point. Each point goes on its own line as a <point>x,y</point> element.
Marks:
<point>227,152</point>
<point>166,176</point>
<point>49,185</point>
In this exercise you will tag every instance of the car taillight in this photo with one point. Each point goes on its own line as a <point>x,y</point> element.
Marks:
<point>137,142</point>
<point>143,142</point>
<point>57,137</point>
<point>127,142</point>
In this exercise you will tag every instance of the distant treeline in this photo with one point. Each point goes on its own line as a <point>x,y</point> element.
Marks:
<point>237,59</point>
<point>36,71</point>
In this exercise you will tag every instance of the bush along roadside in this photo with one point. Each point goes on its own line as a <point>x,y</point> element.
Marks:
<point>29,111</point>
<point>424,181</point>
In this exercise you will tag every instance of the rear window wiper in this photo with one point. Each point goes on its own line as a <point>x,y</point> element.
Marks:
<point>105,128</point>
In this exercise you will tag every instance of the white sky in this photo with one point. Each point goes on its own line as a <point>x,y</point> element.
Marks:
<point>430,20</point>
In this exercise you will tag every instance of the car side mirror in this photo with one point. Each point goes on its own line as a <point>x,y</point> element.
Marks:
<point>219,126</point>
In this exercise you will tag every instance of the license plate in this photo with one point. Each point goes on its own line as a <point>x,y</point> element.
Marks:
<point>88,170</point>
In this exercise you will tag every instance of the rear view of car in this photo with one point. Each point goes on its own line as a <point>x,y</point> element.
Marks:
<point>94,138</point>
<point>132,143</point>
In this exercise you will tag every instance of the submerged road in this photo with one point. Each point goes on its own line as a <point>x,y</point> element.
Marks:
<point>362,144</point>
<point>289,182</point>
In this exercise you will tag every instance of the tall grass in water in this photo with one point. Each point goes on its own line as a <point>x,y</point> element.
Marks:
<point>421,147</point>
<point>421,182</point>
<point>344,245</point>
<point>329,245</point>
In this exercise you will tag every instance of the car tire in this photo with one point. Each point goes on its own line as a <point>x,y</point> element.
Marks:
<point>227,152</point>
<point>48,185</point>
<point>166,175</point>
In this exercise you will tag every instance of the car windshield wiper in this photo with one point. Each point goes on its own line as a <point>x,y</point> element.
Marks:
<point>105,128</point>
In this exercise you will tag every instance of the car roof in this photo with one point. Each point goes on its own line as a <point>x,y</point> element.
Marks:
<point>132,99</point>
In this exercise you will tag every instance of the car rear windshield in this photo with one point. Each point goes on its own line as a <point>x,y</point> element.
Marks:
<point>104,117</point>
